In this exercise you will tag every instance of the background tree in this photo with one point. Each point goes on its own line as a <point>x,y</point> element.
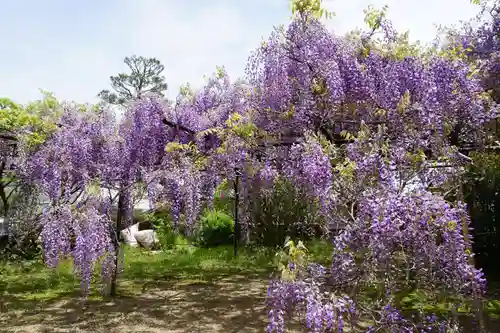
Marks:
<point>145,77</point>
<point>11,118</point>
<point>23,128</point>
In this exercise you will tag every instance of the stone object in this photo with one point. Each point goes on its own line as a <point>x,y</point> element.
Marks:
<point>128,235</point>
<point>146,238</point>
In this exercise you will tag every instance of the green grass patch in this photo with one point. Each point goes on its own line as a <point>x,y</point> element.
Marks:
<point>182,266</point>
<point>185,264</point>
<point>32,280</point>
<point>194,263</point>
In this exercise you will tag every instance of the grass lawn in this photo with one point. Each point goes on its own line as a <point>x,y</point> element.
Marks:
<point>184,290</point>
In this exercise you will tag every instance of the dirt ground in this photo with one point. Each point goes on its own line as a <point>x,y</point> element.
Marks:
<point>230,304</point>
<point>235,304</point>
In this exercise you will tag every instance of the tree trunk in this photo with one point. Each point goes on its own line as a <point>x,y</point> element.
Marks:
<point>4,198</point>
<point>119,217</point>
<point>237,233</point>
<point>3,195</point>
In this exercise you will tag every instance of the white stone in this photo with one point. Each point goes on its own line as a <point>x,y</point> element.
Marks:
<point>128,235</point>
<point>146,238</point>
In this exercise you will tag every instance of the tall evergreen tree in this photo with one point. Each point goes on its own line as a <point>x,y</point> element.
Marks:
<point>144,77</point>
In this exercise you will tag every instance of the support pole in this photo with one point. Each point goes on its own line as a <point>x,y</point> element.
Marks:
<point>478,306</point>
<point>236,186</point>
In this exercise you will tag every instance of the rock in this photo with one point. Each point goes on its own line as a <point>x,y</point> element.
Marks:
<point>128,235</point>
<point>146,238</point>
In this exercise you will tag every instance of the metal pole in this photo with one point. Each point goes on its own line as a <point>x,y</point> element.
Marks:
<point>477,301</point>
<point>236,205</point>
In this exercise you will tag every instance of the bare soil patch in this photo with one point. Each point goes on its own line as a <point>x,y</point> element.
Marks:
<point>230,304</point>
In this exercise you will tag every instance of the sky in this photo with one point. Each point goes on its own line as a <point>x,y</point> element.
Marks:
<point>71,48</point>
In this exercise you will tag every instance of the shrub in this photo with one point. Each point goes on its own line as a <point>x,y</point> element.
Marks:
<point>223,198</point>
<point>217,228</point>
<point>167,236</point>
<point>283,213</point>
<point>483,200</point>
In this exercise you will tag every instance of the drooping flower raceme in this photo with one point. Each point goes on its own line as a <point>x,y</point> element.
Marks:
<point>84,233</point>
<point>394,239</point>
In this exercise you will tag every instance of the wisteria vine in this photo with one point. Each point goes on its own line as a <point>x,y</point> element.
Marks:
<point>307,90</point>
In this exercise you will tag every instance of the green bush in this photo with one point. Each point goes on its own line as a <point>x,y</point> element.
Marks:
<point>167,236</point>
<point>222,198</point>
<point>481,192</point>
<point>217,228</point>
<point>284,212</point>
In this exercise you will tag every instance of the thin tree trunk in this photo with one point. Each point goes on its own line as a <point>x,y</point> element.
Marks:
<point>119,217</point>
<point>4,198</point>
<point>237,229</point>
<point>3,195</point>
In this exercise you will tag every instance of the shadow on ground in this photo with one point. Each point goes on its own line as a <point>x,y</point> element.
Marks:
<point>230,304</point>
<point>194,293</point>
